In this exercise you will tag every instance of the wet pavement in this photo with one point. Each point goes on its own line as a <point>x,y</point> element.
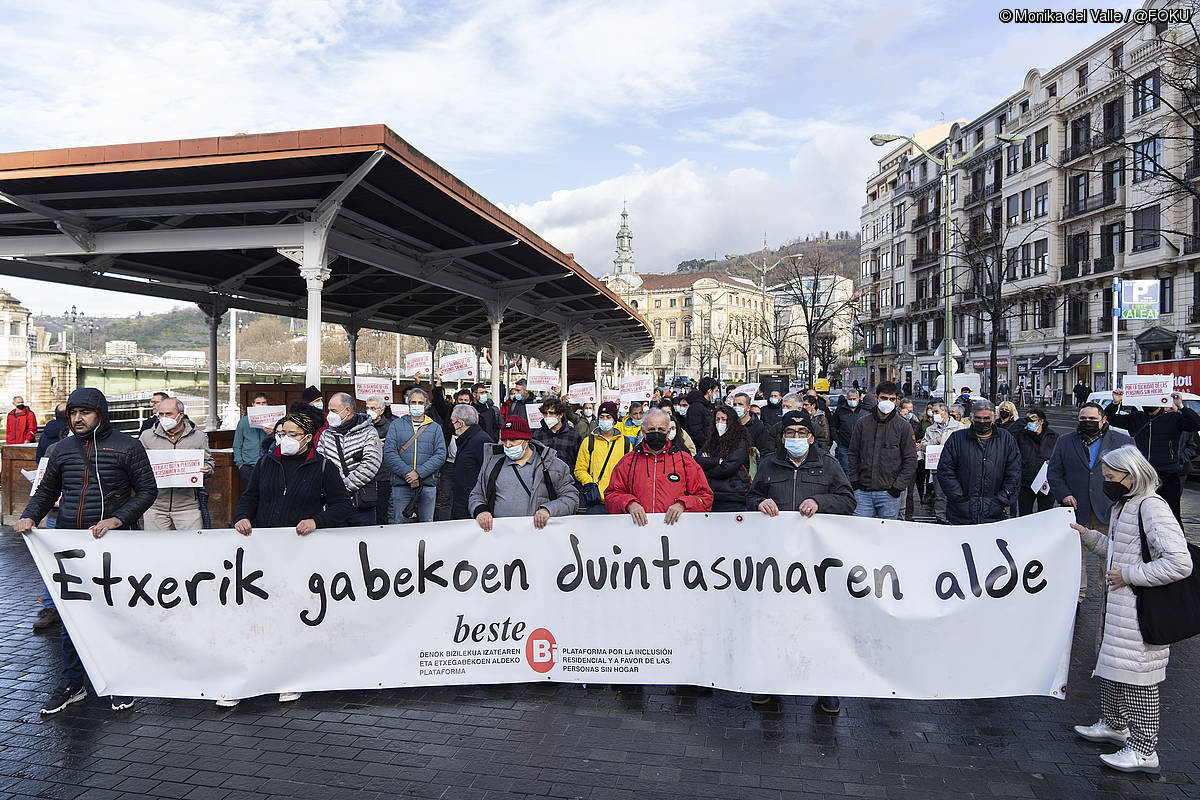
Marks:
<point>567,741</point>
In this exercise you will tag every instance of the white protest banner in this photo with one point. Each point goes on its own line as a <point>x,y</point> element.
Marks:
<point>177,469</point>
<point>534,412</point>
<point>1148,390</point>
<point>419,364</point>
<point>933,454</point>
<point>749,389</point>
<point>457,367</point>
<point>580,393</point>
<point>542,380</point>
<point>636,388</point>
<point>830,605</point>
<point>399,409</point>
<point>265,417</point>
<point>367,387</point>
<point>34,476</point>
<point>1041,483</point>
<point>611,396</point>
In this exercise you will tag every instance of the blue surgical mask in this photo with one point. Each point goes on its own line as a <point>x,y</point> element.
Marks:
<point>741,411</point>
<point>416,409</point>
<point>852,403</point>
<point>515,452</point>
<point>797,448</point>
<point>483,397</point>
<point>1031,426</point>
<point>637,423</point>
<point>606,425</point>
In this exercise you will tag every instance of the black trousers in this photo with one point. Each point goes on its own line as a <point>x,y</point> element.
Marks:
<point>1171,489</point>
<point>1028,498</point>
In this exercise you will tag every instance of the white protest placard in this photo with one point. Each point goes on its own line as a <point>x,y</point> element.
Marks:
<point>177,469</point>
<point>1148,390</point>
<point>580,393</point>
<point>457,367</point>
<point>419,364</point>
<point>611,396</point>
<point>399,409</point>
<point>900,609</point>
<point>748,389</point>
<point>534,412</point>
<point>368,387</point>
<point>542,380</point>
<point>636,388</point>
<point>265,417</point>
<point>34,476</point>
<point>1041,484</point>
<point>933,454</point>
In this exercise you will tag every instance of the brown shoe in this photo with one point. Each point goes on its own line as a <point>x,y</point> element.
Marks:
<point>46,618</point>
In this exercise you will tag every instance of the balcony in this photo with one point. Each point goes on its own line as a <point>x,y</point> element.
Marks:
<point>1076,269</point>
<point>1077,327</point>
<point>1089,205</point>
<point>1112,135</point>
<point>923,346</point>
<point>1002,336</point>
<point>915,305</point>
<point>875,349</point>
<point>926,259</point>
<point>1104,264</point>
<point>982,240</point>
<point>975,339</point>
<point>1191,244</point>
<point>1193,315</point>
<point>921,220</point>
<point>1104,324</point>
<point>1076,150</point>
<point>990,190</point>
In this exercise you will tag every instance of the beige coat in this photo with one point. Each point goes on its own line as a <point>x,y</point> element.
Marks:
<point>192,438</point>
<point>1123,655</point>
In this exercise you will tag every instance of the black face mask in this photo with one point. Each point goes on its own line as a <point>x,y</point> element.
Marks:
<point>655,440</point>
<point>1115,491</point>
<point>21,407</point>
<point>1089,426</point>
<point>981,428</point>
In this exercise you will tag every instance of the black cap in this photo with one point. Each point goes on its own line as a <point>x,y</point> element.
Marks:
<point>795,418</point>
<point>311,393</point>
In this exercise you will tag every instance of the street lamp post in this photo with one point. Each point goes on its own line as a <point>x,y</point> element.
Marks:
<point>948,164</point>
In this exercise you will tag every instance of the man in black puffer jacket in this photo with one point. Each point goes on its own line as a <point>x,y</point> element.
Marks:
<point>980,469</point>
<point>106,482</point>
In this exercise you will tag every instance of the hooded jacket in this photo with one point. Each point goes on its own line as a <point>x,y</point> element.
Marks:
<point>656,481</point>
<point>192,438</point>
<point>359,446</point>
<point>316,491</point>
<point>700,415</point>
<point>103,474</point>
<point>980,477</point>
<point>21,427</point>
<point>55,429</point>
<point>565,502</point>
<point>819,478</point>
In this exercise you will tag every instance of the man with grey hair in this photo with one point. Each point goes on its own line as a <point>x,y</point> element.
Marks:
<point>351,444</point>
<point>980,469</point>
<point>380,414</point>
<point>176,509</point>
<point>942,425</point>
<point>657,477</point>
<point>845,418</point>
<point>415,451</point>
<point>470,444</point>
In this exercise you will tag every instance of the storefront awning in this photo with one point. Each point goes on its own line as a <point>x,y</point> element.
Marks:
<point>1070,362</point>
<point>1044,362</point>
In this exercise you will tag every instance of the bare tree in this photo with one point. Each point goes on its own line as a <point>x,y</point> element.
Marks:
<point>819,300</point>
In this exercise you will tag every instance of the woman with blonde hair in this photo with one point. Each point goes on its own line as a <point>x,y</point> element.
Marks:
<point>1006,417</point>
<point>1129,669</point>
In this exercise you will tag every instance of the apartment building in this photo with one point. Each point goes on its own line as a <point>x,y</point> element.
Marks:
<point>1102,186</point>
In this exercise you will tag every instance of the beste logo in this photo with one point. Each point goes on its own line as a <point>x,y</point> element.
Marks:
<point>540,650</point>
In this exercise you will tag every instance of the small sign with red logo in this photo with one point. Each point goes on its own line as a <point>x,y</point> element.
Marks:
<point>177,469</point>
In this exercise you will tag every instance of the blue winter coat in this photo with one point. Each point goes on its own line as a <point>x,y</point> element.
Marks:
<point>426,455</point>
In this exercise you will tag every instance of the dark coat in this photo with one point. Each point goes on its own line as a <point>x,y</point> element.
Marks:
<point>819,478</point>
<point>844,420</point>
<point>699,419</point>
<point>1071,474</point>
<point>489,418</point>
<point>728,476</point>
<point>882,454</point>
<point>316,492</point>
<point>772,414</point>
<point>55,429</point>
<point>981,477</point>
<point>1035,451</point>
<point>472,448</point>
<point>82,466</point>
<point>1157,436</point>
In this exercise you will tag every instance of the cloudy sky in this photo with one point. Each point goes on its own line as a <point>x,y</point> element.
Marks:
<point>717,122</point>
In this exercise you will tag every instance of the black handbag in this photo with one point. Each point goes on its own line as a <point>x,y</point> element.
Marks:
<point>1169,613</point>
<point>367,496</point>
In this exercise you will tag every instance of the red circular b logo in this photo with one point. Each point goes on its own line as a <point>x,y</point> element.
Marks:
<point>540,650</point>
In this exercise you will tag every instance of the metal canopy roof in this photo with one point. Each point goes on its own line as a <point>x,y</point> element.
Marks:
<point>412,249</point>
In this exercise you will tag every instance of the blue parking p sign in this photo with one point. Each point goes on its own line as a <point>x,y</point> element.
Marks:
<point>1139,299</point>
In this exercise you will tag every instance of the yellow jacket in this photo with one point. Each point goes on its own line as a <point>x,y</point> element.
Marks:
<point>593,452</point>
<point>627,428</point>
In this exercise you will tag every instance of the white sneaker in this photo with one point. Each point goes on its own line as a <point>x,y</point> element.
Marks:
<point>225,702</point>
<point>1129,760</point>
<point>288,697</point>
<point>1101,732</point>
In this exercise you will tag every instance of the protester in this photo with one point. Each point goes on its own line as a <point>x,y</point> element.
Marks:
<point>1081,392</point>
<point>56,429</point>
<point>380,414</point>
<point>270,441</point>
<point>597,458</point>
<point>1129,669</point>
<point>631,424</point>
<point>471,444</point>
<point>1006,417</point>
<point>799,476</point>
<point>760,437</point>
<point>517,399</point>
<point>980,470</point>
<point>772,412</point>
<point>293,486</point>
<point>845,418</point>
<point>248,441</point>
<point>725,459</point>
<point>1156,432</point>
<point>1075,474</point>
<point>676,433</point>
<point>941,426</point>
<point>21,426</point>
<point>105,482</point>
<point>557,433</point>
<point>585,419</point>
<point>699,408</point>
<point>882,457</point>
<point>522,478</point>
<point>818,422</point>
<point>1036,442</point>
<point>964,400</point>
<point>489,415</point>
<point>415,452</point>
<point>149,421</point>
<point>657,477</point>
<point>351,444</point>
<point>176,509</point>
<point>443,504</point>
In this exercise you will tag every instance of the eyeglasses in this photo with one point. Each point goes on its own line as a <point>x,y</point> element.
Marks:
<point>296,436</point>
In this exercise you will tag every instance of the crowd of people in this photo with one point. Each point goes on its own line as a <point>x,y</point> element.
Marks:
<point>462,455</point>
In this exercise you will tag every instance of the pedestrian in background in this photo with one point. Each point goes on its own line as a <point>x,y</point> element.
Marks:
<point>1128,668</point>
<point>248,441</point>
<point>21,425</point>
<point>152,417</point>
<point>725,459</point>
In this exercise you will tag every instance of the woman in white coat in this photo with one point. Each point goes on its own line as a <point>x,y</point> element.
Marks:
<point>1129,669</point>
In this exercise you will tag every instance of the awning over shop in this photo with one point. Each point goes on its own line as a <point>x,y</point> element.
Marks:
<point>1044,361</point>
<point>1070,362</point>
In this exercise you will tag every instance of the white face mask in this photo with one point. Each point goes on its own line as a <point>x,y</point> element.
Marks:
<point>671,434</point>
<point>887,406</point>
<point>287,445</point>
<point>587,412</point>
<point>333,419</point>
<point>373,414</point>
<point>550,421</point>
<point>416,409</point>
<point>681,410</point>
<point>721,428</point>
<point>937,419</point>
<point>167,423</point>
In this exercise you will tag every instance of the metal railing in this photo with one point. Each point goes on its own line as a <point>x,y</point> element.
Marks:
<point>1086,205</point>
<point>1077,327</point>
<point>1104,324</point>
<point>926,259</point>
<point>1077,150</point>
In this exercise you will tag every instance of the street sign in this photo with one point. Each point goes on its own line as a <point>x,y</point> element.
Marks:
<point>1140,299</point>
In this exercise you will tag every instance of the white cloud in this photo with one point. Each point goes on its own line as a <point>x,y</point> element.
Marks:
<point>633,150</point>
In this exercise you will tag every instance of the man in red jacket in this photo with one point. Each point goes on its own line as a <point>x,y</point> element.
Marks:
<point>22,423</point>
<point>657,477</point>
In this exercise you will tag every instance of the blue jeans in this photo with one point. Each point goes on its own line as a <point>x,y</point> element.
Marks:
<point>73,673</point>
<point>402,494</point>
<point>843,457</point>
<point>879,505</point>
